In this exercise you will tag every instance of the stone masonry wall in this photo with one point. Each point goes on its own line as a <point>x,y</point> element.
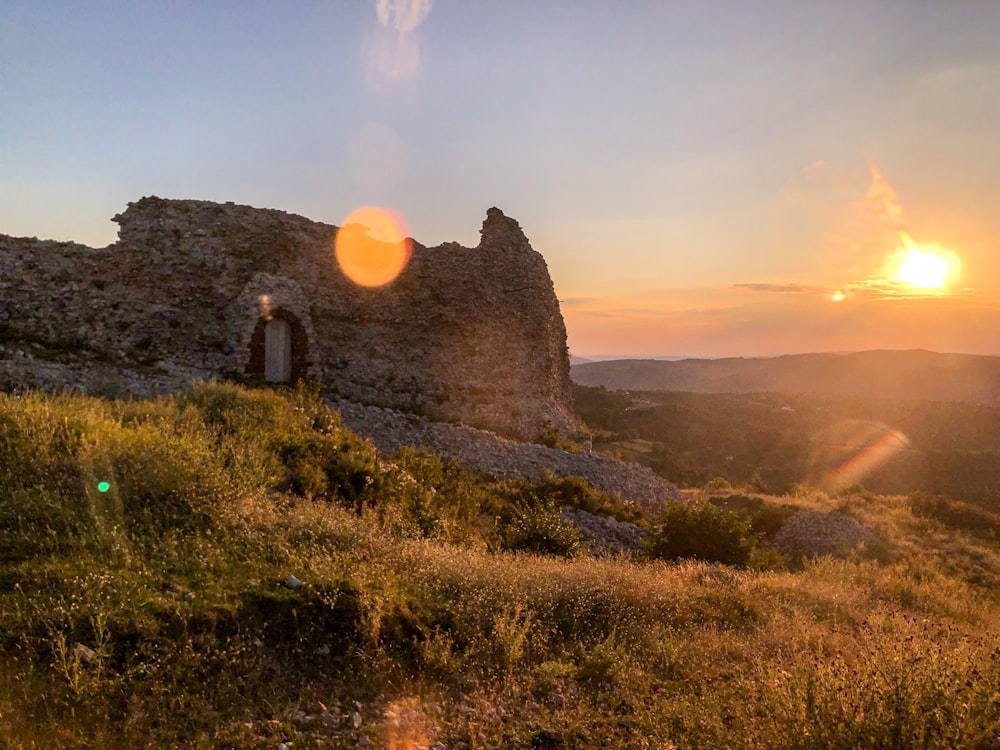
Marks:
<point>470,335</point>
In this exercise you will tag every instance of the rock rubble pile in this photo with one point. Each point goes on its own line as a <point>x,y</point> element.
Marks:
<point>605,535</point>
<point>818,533</point>
<point>487,452</point>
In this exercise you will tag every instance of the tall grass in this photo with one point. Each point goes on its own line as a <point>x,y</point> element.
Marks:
<point>160,613</point>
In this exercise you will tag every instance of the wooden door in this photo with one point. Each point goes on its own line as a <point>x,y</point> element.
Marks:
<point>277,351</point>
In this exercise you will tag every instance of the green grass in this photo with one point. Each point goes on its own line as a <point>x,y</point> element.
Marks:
<point>152,615</point>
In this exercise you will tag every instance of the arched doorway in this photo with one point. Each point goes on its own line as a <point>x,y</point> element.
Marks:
<point>278,349</point>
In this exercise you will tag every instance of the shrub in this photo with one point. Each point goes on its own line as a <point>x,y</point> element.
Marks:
<point>539,528</point>
<point>701,531</point>
<point>441,498</point>
<point>165,479</point>
<point>765,518</point>
<point>717,484</point>
<point>578,493</point>
<point>855,492</point>
<point>551,438</point>
<point>604,664</point>
<point>233,409</point>
<point>330,467</point>
<point>551,676</point>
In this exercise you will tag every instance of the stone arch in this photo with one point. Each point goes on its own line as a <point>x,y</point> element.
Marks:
<point>268,297</point>
<point>264,333</point>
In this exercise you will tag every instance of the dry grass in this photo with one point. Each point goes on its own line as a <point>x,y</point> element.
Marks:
<point>428,633</point>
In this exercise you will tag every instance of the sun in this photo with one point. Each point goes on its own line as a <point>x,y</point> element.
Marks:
<point>925,268</point>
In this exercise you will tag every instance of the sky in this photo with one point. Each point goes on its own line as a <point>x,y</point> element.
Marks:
<point>707,178</point>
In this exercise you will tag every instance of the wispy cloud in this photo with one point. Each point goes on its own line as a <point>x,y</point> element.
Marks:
<point>881,201</point>
<point>578,301</point>
<point>855,219</point>
<point>743,321</point>
<point>784,288</point>
<point>890,289</point>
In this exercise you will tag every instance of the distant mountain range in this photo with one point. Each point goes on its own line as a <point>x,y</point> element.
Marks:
<point>911,374</point>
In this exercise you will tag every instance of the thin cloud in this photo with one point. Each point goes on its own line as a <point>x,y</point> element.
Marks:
<point>871,315</point>
<point>890,289</point>
<point>881,200</point>
<point>783,288</point>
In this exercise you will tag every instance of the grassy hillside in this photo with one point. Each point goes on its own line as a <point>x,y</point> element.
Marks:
<point>432,607</point>
<point>909,375</point>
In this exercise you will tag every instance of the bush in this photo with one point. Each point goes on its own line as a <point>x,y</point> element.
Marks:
<point>580,494</point>
<point>765,518</point>
<point>701,531</point>
<point>235,410</point>
<point>551,438</point>
<point>162,479</point>
<point>441,498</point>
<point>539,528</point>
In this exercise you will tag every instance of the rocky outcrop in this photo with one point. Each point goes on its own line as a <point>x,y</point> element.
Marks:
<point>470,335</point>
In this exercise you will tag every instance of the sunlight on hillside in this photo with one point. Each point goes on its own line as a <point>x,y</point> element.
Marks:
<point>274,580</point>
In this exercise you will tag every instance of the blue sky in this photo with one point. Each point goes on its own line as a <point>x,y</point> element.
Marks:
<point>661,155</point>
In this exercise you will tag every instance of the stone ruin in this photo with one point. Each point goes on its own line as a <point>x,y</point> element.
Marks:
<point>194,289</point>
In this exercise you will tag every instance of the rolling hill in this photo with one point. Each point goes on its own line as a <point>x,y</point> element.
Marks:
<point>915,374</point>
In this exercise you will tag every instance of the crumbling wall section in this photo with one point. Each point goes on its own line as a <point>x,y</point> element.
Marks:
<point>471,335</point>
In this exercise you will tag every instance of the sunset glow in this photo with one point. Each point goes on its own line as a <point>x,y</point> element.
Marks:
<point>919,267</point>
<point>701,179</point>
<point>925,269</point>
<point>556,374</point>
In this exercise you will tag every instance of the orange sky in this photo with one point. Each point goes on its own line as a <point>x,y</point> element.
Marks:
<point>839,276</point>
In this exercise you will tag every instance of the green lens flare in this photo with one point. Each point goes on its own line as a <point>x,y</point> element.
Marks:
<point>103,486</point>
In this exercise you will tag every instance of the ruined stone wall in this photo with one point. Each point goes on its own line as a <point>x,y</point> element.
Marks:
<point>464,334</point>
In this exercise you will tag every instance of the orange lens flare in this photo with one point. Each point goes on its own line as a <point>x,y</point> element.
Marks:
<point>407,725</point>
<point>371,247</point>
<point>264,301</point>
<point>847,452</point>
